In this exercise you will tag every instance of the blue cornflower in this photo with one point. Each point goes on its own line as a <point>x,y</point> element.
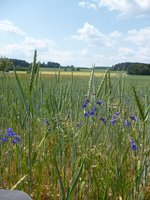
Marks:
<point>133,118</point>
<point>99,102</point>
<point>9,132</point>
<point>4,139</point>
<point>116,115</point>
<point>85,104</point>
<point>133,145</point>
<point>86,114</point>
<point>16,139</point>
<point>127,123</point>
<point>93,110</point>
<point>103,120</point>
<point>113,121</point>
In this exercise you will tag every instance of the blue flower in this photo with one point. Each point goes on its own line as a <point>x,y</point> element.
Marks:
<point>85,104</point>
<point>87,114</point>
<point>133,118</point>
<point>99,102</point>
<point>116,115</point>
<point>127,123</point>
<point>10,134</point>
<point>133,145</point>
<point>4,139</point>
<point>93,110</point>
<point>103,120</point>
<point>113,121</point>
<point>16,139</point>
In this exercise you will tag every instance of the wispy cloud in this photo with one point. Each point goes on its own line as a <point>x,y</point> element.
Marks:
<point>137,8</point>
<point>139,37</point>
<point>8,26</point>
<point>86,4</point>
<point>125,8</point>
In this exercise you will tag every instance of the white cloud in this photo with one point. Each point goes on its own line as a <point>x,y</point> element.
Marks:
<point>47,50</point>
<point>113,47</point>
<point>123,6</point>
<point>115,34</point>
<point>97,48</point>
<point>136,8</point>
<point>126,8</point>
<point>139,37</point>
<point>145,4</point>
<point>63,57</point>
<point>143,54</point>
<point>91,35</point>
<point>8,26</point>
<point>85,4</point>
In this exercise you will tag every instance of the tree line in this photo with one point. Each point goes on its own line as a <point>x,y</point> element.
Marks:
<point>23,65</point>
<point>7,65</point>
<point>132,68</point>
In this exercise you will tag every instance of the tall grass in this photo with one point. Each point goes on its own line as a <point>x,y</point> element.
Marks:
<point>72,148</point>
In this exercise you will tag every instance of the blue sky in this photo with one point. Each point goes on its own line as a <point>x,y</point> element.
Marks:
<point>75,32</point>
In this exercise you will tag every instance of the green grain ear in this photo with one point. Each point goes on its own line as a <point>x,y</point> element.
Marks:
<point>139,104</point>
<point>91,88</point>
<point>102,84</point>
<point>34,73</point>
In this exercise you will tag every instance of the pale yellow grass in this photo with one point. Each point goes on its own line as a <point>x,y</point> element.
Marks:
<point>63,73</point>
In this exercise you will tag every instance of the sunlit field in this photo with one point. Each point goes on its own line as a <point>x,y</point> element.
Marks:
<point>69,73</point>
<point>75,135</point>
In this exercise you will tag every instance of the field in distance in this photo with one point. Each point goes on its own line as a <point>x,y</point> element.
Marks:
<point>82,72</point>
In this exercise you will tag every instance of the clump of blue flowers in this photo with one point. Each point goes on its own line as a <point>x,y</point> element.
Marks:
<point>92,110</point>
<point>12,136</point>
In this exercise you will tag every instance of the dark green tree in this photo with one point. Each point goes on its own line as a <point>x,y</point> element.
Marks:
<point>5,65</point>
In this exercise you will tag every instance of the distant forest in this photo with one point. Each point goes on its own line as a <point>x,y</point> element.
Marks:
<point>133,68</point>
<point>22,65</point>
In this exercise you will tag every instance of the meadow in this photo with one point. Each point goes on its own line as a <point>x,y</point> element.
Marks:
<point>75,137</point>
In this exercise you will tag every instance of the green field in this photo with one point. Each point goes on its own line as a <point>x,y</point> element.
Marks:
<point>82,136</point>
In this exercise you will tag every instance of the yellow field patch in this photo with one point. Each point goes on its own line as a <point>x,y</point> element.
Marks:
<point>63,73</point>
<point>99,74</point>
